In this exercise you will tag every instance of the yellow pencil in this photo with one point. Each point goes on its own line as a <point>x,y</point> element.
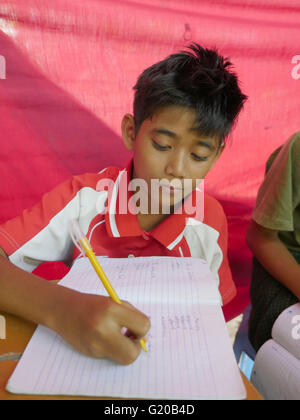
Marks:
<point>79,237</point>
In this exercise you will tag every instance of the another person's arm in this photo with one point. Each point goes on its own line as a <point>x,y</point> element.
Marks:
<point>274,256</point>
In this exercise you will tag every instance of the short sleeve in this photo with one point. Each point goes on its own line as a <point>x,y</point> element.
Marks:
<point>227,287</point>
<point>278,195</point>
<point>296,172</point>
<point>41,233</point>
<point>216,247</point>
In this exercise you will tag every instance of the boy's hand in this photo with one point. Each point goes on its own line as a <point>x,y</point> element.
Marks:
<point>92,324</point>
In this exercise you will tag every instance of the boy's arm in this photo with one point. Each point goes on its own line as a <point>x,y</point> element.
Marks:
<point>274,256</point>
<point>91,324</point>
<point>24,294</point>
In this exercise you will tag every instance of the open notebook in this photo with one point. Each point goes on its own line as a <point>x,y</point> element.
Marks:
<point>190,355</point>
<point>276,372</point>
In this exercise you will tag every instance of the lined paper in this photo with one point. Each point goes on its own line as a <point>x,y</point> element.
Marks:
<point>189,352</point>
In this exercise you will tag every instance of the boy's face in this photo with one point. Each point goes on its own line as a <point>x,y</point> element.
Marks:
<point>168,148</point>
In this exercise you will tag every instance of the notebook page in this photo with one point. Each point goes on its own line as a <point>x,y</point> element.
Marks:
<point>148,279</point>
<point>187,346</point>
<point>276,373</point>
<point>286,330</point>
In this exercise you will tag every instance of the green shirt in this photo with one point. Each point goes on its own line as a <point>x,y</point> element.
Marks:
<point>278,200</point>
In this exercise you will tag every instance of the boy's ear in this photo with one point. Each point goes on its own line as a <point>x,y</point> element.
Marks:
<point>218,154</point>
<point>221,150</point>
<point>128,131</point>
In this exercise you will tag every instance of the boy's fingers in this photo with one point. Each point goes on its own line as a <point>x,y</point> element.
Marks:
<point>122,349</point>
<point>129,306</point>
<point>135,321</point>
<point>130,335</point>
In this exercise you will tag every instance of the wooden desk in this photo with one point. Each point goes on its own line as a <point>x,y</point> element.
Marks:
<point>18,334</point>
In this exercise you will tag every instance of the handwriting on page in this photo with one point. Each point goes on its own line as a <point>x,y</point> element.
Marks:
<point>150,281</point>
<point>184,322</point>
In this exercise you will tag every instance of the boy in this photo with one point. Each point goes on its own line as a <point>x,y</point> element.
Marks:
<point>274,238</point>
<point>184,108</point>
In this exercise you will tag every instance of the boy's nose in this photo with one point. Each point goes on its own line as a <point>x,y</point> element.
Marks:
<point>176,166</point>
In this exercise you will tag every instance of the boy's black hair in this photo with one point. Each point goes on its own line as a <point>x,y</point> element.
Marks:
<point>200,79</point>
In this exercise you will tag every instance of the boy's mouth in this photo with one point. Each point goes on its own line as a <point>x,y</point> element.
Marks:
<point>170,189</point>
<point>173,189</point>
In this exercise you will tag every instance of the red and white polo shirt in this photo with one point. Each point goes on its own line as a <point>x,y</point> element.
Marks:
<point>42,233</point>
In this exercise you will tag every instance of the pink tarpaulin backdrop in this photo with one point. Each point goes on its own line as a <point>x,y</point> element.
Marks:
<point>67,69</point>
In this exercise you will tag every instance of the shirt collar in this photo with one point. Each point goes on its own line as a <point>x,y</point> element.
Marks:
<point>120,222</point>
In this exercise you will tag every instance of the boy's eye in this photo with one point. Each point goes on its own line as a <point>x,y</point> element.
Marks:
<point>199,158</point>
<point>163,148</point>
<point>159,146</point>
